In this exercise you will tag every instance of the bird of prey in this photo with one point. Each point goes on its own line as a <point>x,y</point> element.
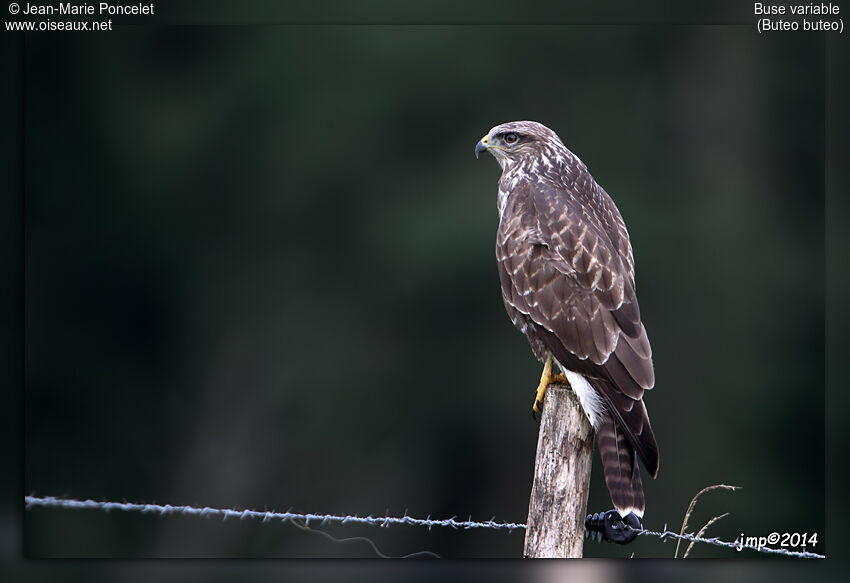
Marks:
<point>568,282</point>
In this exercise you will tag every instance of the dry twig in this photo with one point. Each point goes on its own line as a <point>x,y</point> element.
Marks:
<point>691,508</point>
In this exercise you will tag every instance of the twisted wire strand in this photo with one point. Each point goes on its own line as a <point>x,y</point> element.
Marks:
<point>381,521</point>
<point>266,516</point>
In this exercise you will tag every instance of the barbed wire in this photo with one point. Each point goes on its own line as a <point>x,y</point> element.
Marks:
<point>737,545</point>
<point>225,513</point>
<point>380,521</point>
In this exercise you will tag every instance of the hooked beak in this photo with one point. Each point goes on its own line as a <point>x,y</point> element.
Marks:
<point>482,145</point>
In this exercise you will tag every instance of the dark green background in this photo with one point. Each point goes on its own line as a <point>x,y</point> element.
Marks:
<point>260,274</point>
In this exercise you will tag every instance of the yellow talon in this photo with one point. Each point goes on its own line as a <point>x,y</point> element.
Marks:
<point>546,379</point>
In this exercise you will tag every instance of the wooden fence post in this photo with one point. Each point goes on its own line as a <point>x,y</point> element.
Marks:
<point>558,504</point>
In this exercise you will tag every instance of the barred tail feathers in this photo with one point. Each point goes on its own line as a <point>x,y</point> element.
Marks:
<point>620,464</point>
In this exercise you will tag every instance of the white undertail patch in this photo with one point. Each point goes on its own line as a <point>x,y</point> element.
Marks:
<point>625,512</point>
<point>590,400</point>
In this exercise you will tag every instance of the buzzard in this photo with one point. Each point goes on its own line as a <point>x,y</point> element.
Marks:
<point>568,282</point>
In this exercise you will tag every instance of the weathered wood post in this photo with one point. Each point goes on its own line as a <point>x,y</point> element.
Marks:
<point>558,505</point>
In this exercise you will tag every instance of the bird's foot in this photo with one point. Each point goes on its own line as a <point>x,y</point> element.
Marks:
<point>546,379</point>
<point>611,527</point>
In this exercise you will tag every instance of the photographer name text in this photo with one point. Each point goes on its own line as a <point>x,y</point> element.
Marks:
<point>71,9</point>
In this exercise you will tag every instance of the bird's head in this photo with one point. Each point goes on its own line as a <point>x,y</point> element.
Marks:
<point>511,142</point>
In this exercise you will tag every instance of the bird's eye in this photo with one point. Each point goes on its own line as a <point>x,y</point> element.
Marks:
<point>511,138</point>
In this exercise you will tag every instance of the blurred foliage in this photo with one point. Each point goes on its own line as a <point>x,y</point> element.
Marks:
<point>260,274</point>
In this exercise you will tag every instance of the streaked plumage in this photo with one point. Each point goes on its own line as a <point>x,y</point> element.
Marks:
<point>568,282</point>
